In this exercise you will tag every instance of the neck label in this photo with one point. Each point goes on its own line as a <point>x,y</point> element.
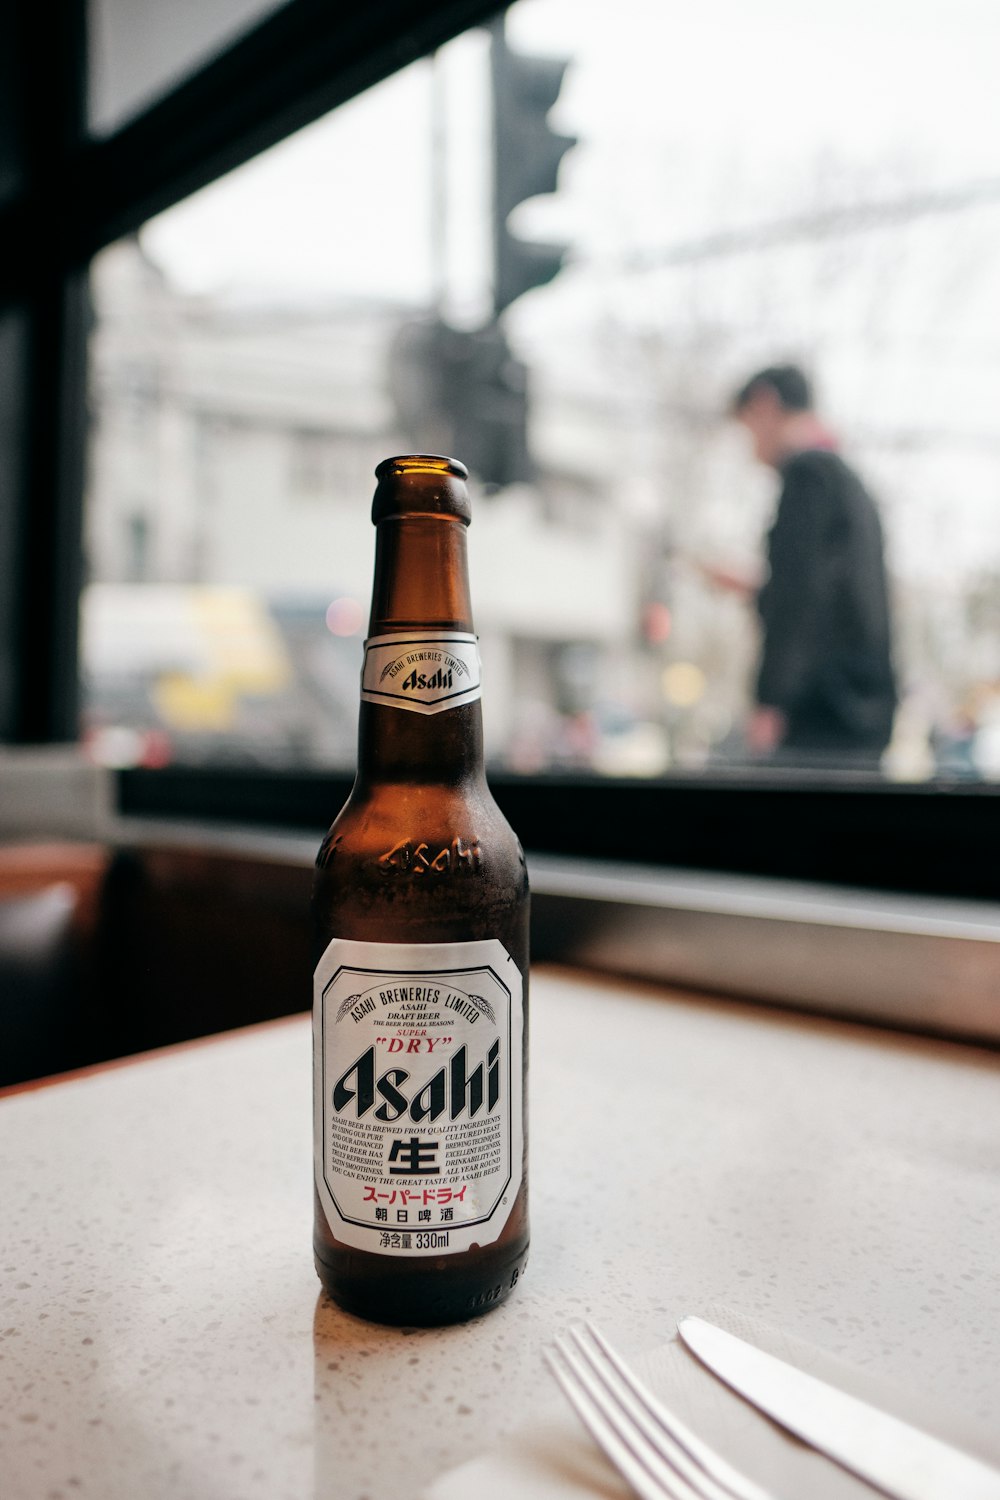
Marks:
<point>425,673</point>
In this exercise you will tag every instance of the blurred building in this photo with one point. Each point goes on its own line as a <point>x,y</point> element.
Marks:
<point>233,448</point>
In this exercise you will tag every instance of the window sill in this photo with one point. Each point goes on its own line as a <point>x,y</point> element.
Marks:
<point>926,964</point>
<point>919,963</point>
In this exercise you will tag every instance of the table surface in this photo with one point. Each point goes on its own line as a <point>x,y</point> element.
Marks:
<point>162,1331</point>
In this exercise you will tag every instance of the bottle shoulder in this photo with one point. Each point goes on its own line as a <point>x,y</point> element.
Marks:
<point>444,827</point>
<point>421,867</point>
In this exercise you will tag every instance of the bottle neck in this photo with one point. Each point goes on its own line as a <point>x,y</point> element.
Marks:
<point>421,586</point>
<point>421,575</point>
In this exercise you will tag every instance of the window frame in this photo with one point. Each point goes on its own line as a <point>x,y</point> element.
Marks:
<point>79,194</point>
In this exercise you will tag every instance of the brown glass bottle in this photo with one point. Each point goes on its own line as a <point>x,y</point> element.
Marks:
<point>420,914</point>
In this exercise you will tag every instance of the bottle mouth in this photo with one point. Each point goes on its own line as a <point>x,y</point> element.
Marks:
<point>421,484</point>
<point>421,463</point>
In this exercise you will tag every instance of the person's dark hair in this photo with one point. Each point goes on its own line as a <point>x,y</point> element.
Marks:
<point>788,382</point>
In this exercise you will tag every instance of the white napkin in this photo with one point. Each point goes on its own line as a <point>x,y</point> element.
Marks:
<point>555,1459</point>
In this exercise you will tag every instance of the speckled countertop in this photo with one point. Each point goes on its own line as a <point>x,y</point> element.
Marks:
<point>161,1328</point>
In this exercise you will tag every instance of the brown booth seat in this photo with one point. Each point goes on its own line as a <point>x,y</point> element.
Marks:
<point>105,952</point>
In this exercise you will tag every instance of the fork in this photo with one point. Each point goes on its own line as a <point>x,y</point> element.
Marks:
<point>653,1449</point>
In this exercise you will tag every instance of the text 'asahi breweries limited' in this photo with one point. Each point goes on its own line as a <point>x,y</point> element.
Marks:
<point>424,673</point>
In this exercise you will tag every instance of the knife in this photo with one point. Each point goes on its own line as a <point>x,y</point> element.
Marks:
<point>888,1453</point>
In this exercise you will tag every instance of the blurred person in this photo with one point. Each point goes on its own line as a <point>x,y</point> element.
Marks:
<point>825,689</point>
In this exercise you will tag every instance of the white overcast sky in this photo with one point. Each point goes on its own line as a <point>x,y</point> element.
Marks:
<point>690,117</point>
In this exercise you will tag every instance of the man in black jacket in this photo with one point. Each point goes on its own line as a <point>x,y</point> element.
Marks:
<point>825,686</point>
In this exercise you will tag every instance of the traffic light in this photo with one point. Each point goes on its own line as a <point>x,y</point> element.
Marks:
<point>526,157</point>
<point>461,391</point>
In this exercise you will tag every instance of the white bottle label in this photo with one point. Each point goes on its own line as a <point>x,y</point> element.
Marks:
<point>417,1057</point>
<point>425,673</point>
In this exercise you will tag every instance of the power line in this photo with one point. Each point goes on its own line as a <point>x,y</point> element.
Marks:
<point>695,416</point>
<point>824,224</point>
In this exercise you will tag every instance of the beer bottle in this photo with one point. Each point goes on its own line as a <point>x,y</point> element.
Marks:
<point>420,991</point>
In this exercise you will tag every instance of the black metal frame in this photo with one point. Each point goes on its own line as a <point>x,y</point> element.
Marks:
<point>921,838</point>
<point>78,194</point>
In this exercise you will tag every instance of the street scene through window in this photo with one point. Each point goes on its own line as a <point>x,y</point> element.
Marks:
<point>559,250</point>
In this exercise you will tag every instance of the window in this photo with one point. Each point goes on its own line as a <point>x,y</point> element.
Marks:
<point>705,237</point>
<point>259,351</point>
